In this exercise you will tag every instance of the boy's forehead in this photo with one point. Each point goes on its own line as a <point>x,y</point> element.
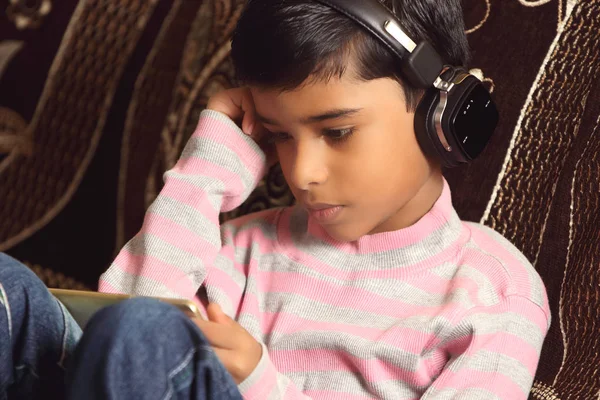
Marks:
<point>314,98</point>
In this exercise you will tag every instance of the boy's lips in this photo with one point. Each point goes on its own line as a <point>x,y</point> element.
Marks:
<point>319,206</point>
<point>324,212</point>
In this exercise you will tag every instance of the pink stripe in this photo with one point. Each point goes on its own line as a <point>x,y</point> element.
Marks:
<point>190,195</point>
<point>530,311</point>
<point>219,279</point>
<point>372,370</point>
<point>403,338</point>
<point>292,393</point>
<point>489,267</point>
<point>385,241</point>
<point>493,382</point>
<point>152,268</point>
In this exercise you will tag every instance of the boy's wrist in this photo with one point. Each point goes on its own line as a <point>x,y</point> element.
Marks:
<point>256,375</point>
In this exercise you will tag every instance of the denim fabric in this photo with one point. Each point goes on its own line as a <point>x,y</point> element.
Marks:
<point>37,335</point>
<point>146,349</point>
<point>138,349</point>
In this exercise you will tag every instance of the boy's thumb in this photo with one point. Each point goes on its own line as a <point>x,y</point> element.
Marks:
<point>216,314</point>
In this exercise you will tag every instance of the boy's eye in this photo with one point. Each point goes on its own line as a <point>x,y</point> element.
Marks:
<point>278,136</point>
<point>339,135</point>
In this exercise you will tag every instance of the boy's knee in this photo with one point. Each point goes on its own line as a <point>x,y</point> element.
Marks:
<point>17,279</point>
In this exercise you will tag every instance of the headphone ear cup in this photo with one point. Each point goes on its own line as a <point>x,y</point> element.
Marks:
<point>425,126</point>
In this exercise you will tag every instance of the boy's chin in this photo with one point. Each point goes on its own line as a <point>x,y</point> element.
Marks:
<point>344,233</point>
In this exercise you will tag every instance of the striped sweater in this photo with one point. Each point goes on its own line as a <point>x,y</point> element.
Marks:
<point>442,309</point>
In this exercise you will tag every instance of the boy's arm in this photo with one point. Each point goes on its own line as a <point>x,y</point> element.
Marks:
<point>493,352</point>
<point>180,237</point>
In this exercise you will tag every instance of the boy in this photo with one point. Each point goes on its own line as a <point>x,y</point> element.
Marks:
<point>371,287</point>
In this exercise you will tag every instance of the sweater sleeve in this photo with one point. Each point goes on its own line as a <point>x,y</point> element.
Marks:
<point>493,352</point>
<point>181,236</point>
<point>266,383</point>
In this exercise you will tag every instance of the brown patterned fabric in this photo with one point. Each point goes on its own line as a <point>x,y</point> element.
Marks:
<point>538,183</point>
<point>97,100</point>
<point>54,279</point>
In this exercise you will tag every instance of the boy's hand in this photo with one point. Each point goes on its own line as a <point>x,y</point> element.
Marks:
<point>236,348</point>
<point>238,105</point>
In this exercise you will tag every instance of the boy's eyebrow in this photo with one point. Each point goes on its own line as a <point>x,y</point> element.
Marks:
<point>331,114</point>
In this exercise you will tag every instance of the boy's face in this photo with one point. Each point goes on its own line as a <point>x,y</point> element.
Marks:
<point>349,153</point>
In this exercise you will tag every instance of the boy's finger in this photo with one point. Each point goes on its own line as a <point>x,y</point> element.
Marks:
<point>248,123</point>
<point>218,335</point>
<point>247,106</point>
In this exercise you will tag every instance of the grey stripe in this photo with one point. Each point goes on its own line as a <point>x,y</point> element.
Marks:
<point>252,324</point>
<point>135,284</point>
<point>217,295</point>
<point>187,217</point>
<point>487,361</point>
<point>350,383</point>
<point>209,184</point>
<point>221,155</point>
<point>436,242</point>
<point>462,394</point>
<point>486,293</point>
<point>344,344</point>
<point>262,222</point>
<point>321,312</point>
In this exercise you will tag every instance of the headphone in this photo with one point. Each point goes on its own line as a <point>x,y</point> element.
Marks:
<point>456,117</point>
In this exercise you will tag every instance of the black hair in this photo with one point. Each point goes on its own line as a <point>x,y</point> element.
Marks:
<point>281,43</point>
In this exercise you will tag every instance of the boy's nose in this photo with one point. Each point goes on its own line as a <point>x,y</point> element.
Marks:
<point>309,165</point>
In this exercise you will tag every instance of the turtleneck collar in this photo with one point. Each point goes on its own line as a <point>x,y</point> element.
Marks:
<point>437,235</point>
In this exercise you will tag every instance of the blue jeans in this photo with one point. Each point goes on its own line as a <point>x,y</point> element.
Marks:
<point>138,349</point>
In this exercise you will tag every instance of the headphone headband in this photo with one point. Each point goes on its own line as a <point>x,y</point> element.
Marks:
<point>421,64</point>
